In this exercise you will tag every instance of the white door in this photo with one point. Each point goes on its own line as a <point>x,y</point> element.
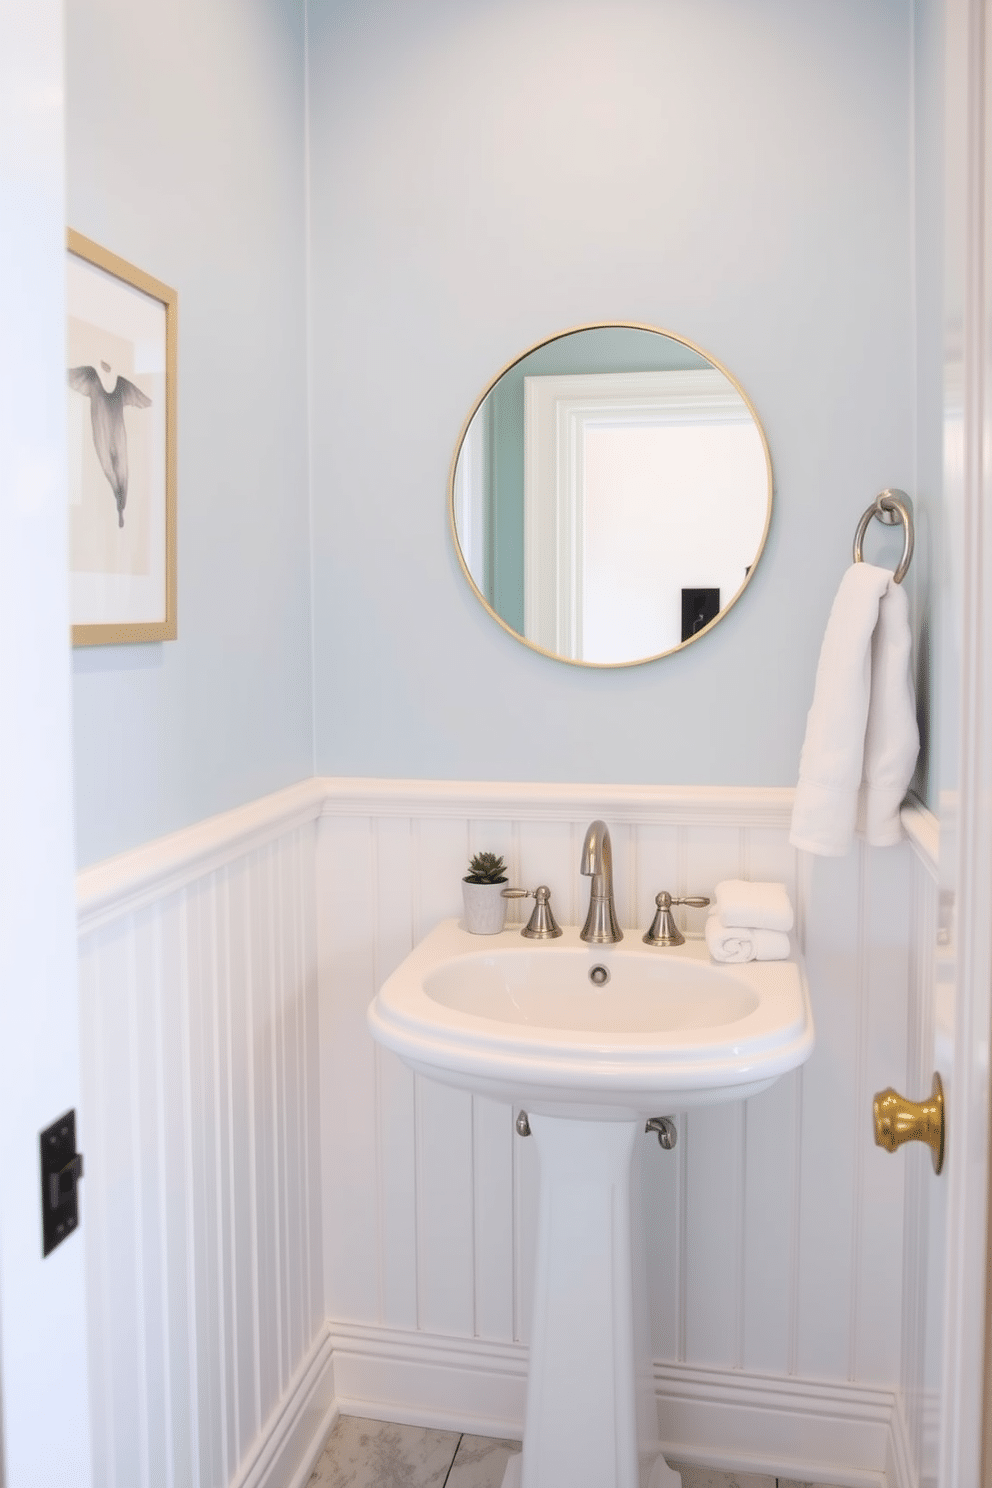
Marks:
<point>953,1213</point>
<point>43,1374</point>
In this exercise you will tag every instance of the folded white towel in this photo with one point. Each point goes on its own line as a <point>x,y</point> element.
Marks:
<point>758,906</point>
<point>864,661</point>
<point>736,943</point>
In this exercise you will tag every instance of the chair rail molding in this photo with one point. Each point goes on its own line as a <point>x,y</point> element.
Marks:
<point>554,801</point>
<point>124,883</point>
<point>922,828</point>
<point>131,880</point>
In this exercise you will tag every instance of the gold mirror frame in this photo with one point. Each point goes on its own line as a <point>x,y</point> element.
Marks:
<point>630,325</point>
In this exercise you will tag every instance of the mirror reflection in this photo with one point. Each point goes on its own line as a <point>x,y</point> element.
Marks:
<point>610,495</point>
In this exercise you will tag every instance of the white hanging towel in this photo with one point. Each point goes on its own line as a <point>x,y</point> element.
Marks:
<point>862,738</point>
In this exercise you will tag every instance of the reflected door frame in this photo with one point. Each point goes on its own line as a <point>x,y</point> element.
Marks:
<point>557,411</point>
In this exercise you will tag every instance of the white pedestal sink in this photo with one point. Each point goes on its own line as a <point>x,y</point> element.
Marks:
<point>589,1059</point>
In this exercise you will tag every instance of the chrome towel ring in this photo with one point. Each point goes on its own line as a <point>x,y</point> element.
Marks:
<point>890,507</point>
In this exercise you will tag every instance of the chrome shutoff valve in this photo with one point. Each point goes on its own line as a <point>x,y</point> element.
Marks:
<point>666,1129</point>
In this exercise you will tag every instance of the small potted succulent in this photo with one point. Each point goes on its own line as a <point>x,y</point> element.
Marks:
<point>482,886</point>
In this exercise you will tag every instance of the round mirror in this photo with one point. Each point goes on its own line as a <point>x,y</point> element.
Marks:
<point>610,494</point>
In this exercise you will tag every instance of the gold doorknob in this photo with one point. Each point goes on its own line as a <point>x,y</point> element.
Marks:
<point>899,1120</point>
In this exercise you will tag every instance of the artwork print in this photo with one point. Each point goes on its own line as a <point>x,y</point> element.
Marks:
<point>120,380</point>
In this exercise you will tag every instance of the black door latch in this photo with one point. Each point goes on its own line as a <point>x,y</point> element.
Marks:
<point>61,1170</point>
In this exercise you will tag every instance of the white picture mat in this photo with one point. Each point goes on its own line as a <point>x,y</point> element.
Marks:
<point>102,300</point>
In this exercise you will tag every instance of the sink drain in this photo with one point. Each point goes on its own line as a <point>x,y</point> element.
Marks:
<point>599,975</point>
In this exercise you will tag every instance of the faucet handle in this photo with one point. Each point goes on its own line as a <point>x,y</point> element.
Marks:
<point>664,931</point>
<point>542,924</point>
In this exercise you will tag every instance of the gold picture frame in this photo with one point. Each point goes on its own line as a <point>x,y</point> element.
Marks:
<point>121,371</point>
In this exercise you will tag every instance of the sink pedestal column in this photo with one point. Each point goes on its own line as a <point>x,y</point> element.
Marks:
<point>580,1429</point>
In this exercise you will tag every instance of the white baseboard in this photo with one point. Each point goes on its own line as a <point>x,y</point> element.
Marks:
<point>422,1379</point>
<point>290,1442</point>
<point>853,1436</point>
<point>850,1435</point>
<point>899,1464</point>
<point>827,1432</point>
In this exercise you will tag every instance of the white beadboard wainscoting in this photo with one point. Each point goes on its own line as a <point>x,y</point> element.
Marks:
<point>199,1122</point>
<point>284,1221</point>
<point>775,1230</point>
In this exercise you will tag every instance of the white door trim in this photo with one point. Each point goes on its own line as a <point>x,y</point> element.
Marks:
<point>966,813</point>
<point>43,1337</point>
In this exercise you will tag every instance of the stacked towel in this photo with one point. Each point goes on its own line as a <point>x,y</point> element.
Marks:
<point>751,923</point>
<point>861,734</point>
<point>759,906</point>
<point>737,943</point>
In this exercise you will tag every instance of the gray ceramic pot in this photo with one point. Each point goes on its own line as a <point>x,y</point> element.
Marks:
<point>485,907</point>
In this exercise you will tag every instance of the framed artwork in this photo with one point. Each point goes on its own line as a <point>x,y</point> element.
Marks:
<point>121,376</point>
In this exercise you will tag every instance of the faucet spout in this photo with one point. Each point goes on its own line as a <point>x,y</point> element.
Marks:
<point>601,926</point>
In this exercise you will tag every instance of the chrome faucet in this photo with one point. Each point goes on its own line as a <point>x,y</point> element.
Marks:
<point>601,927</point>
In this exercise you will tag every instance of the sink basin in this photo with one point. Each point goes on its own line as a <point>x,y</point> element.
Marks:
<point>522,1021</point>
<point>644,997</point>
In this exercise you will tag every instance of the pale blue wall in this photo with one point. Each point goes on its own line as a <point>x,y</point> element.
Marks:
<point>482,175</point>
<point>486,173</point>
<point>185,155</point>
<point>931,583</point>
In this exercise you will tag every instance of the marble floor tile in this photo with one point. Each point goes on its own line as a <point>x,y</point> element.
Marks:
<point>376,1454</point>
<point>710,1477</point>
<point>802,1483</point>
<point>379,1454</point>
<point>480,1462</point>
